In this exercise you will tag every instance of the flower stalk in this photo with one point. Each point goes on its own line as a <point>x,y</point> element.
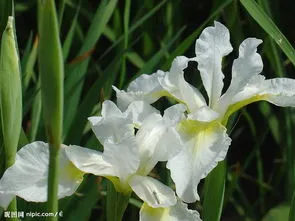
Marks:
<point>116,203</point>
<point>52,72</point>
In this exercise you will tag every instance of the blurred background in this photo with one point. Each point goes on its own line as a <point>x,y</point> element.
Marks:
<point>109,43</point>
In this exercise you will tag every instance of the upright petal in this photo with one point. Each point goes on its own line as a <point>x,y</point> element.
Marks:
<point>158,138</point>
<point>175,84</point>
<point>178,212</point>
<point>27,178</point>
<point>139,111</point>
<point>211,47</point>
<point>145,87</point>
<point>113,125</point>
<point>123,156</point>
<point>205,145</point>
<point>152,191</point>
<point>245,67</point>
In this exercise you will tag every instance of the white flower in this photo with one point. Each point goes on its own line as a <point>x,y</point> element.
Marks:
<point>203,132</point>
<point>27,177</point>
<point>177,212</point>
<point>127,158</point>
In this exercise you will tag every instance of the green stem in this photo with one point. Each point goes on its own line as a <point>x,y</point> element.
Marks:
<point>214,193</point>
<point>116,203</point>
<point>53,182</point>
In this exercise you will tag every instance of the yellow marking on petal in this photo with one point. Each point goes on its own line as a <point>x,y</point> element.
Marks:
<point>236,106</point>
<point>190,128</point>
<point>73,172</point>
<point>119,186</point>
<point>155,213</point>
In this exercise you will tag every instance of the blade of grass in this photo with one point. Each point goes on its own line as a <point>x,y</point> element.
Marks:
<point>126,27</point>
<point>269,27</point>
<point>69,38</point>
<point>73,84</point>
<point>136,25</point>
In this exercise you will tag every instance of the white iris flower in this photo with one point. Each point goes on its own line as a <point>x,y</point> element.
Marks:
<point>203,131</point>
<point>27,177</point>
<point>128,158</point>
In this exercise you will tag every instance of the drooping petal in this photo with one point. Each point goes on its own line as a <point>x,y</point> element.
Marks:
<point>89,161</point>
<point>212,45</point>
<point>278,91</point>
<point>123,156</point>
<point>152,191</point>
<point>158,138</point>
<point>178,212</point>
<point>139,111</point>
<point>205,145</point>
<point>145,87</point>
<point>175,84</point>
<point>113,125</point>
<point>27,178</point>
<point>5,200</point>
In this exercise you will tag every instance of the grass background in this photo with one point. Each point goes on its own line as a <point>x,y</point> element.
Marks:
<point>111,42</point>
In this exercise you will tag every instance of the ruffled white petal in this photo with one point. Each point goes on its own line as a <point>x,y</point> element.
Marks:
<point>178,212</point>
<point>113,126</point>
<point>89,161</point>
<point>247,65</point>
<point>245,68</point>
<point>175,84</point>
<point>212,45</point>
<point>109,109</point>
<point>123,156</point>
<point>152,191</point>
<point>174,114</point>
<point>279,91</point>
<point>27,178</point>
<point>158,138</point>
<point>140,110</point>
<point>206,145</point>
<point>204,114</point>
<point>145,87</point>
<point>5,200</point>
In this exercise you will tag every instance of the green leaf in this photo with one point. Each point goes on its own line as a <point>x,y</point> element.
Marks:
<point>214,193</point>
<point>69,39</point>
<point>269,27</point>
<point>75,79</point>
<point>279,213</point>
